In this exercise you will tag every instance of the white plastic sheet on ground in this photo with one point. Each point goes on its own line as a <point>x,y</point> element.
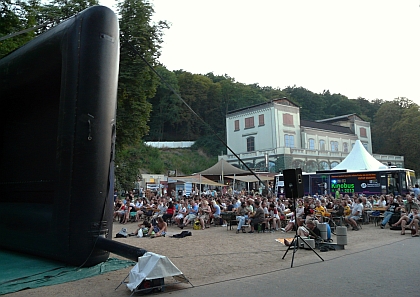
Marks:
<point>153,266</point>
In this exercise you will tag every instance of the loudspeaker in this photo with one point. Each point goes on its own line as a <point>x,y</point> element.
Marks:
<point>293,183</point>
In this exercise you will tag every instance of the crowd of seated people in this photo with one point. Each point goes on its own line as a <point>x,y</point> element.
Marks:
<point>270,213</point>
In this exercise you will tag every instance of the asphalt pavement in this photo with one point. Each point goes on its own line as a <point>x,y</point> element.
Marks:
<point>388,270</point>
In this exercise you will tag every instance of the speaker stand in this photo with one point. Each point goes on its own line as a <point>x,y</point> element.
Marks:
<point>294,245</point>
<point>295,242</point>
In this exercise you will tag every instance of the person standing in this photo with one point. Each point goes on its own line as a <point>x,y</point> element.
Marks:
<point>416,191</point>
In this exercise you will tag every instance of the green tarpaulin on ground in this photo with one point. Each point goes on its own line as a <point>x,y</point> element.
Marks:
<point>20,271</point>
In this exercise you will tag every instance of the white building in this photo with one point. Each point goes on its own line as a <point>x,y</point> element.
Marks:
<point>272,136</point>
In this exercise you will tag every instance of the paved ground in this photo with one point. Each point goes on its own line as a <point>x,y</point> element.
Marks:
<point>388,270</point>
<point>219,262</point>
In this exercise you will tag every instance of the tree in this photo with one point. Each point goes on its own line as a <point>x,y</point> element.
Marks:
<point>139,51</point>
<point>19,15</point>
<point>368,109</point>
<point>56,11</point>
<point>166,108</point>
<point>15,16</point>
<point>194,89</point>
<point>312,104</point>
<point>406,132</point>
<point>383,139</point>
<point>140,45</point>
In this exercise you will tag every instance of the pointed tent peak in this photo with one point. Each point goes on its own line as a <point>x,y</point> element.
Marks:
<point>359,159</point>
<point>223,167</point>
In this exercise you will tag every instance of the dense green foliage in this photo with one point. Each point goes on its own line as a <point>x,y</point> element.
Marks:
<point>394,131</point>
<point>15,16</point>
<point>140,158</point>
<point>140,43</point>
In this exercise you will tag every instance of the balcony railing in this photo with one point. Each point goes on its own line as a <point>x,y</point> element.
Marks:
<point>306,152</point>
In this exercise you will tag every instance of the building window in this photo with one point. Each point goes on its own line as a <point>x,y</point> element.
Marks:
<point>334,146</point>
<point>333,164</point>
<point>250,144</point>
<point>236,125</point>
<point>324,165</point>
<point>363,132</point>
<point>311,144</point>
<point>249,122</point>
<point>322,145</point>
<point>287,119</point>
<point>289,140</point>
<point>261,120</point>
<point>345,147</point>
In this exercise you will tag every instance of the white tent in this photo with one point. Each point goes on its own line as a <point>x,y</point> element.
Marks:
<point>153,266</point>
<point>359,159</point>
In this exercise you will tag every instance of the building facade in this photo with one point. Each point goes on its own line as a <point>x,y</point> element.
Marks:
<point>271,137</point>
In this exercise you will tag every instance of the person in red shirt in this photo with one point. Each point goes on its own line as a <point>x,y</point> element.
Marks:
<point>169,212</point>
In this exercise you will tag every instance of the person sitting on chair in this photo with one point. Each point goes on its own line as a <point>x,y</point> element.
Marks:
<point>215,215</point>
<point>274,219</point>
<point>192,214</point>
<point>347,209</point>
<point>241,214</point>
<point>204,214</point>
<point>407,220</point>
<point>320,211</point>
<point>257,217</point>
<point>338,210</point>
<point>392,207</point>
<point>410,204</point>
<point>308,212</point>
<point>182,212</point>
<point>170,212</point>
<point>367,209</point>
<point>355,214</point>
<point>415,222</point>
<point>299,214</point>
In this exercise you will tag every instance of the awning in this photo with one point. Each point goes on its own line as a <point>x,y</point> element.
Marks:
<point>251,178</point>
<point>197,179</point>
<point>223,168</point>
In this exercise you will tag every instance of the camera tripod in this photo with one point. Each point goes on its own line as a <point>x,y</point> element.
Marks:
<point>294,244</point>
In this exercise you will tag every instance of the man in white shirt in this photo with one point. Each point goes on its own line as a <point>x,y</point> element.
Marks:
<point>355,215</point>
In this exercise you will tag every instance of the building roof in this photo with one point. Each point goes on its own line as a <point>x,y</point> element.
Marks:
<point>283,101</point>
<point>359,159</point>
<point>342,117</point>
<point>324,126</point>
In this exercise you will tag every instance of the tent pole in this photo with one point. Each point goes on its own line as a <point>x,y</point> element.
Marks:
<point>233,185</point>
<point>199,190</point>
<point>223,178</point>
